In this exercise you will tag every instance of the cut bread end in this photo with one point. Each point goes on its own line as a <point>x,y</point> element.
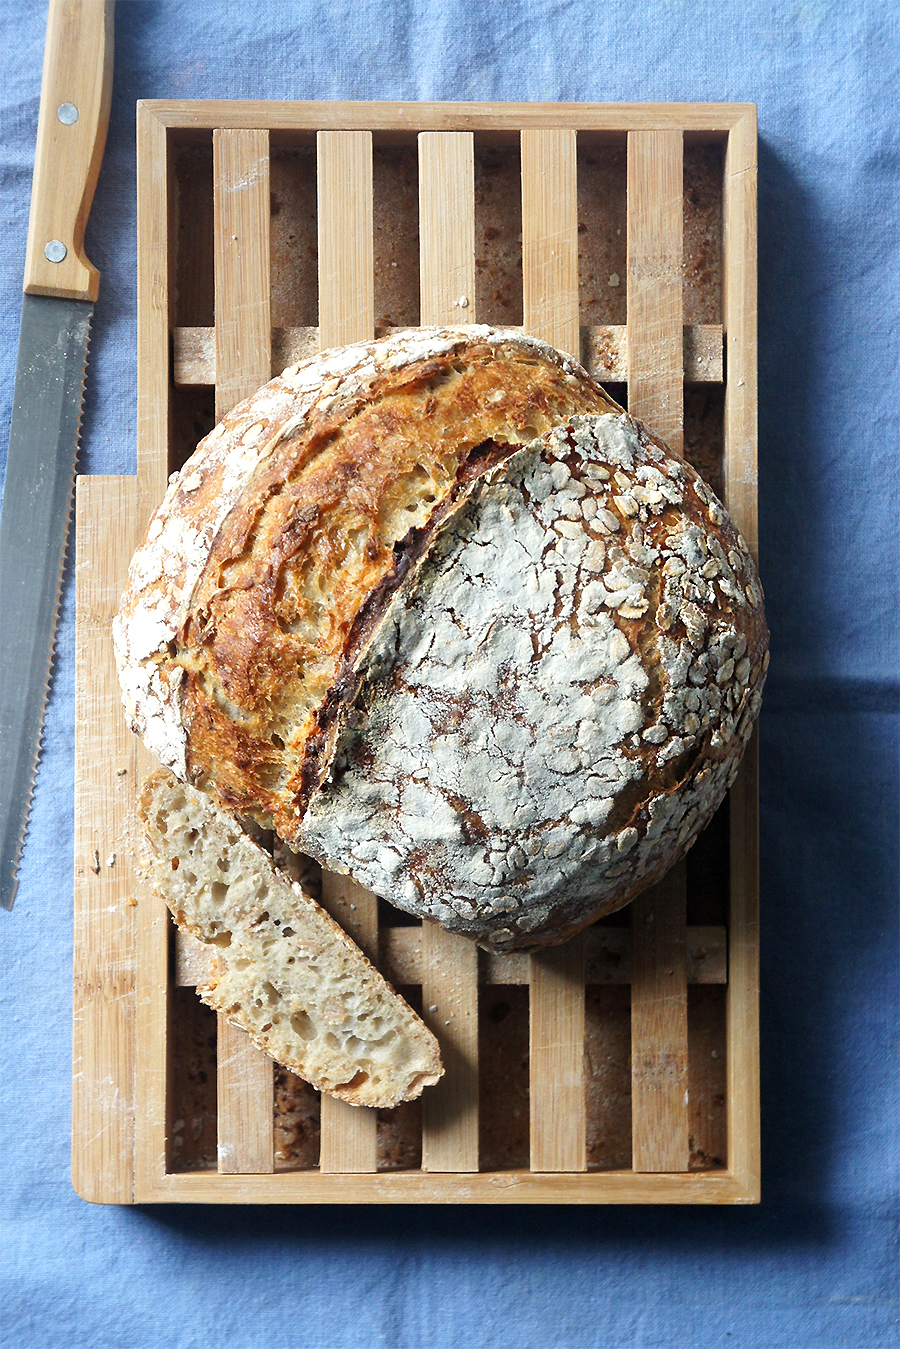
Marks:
<point>286,972</point>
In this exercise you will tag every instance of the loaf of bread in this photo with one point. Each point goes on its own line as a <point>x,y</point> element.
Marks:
<point>285,971</point>
<point>443,615</point>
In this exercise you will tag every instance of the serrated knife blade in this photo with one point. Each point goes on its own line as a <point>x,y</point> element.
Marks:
<point>60,289</point>
<point>37,499</point>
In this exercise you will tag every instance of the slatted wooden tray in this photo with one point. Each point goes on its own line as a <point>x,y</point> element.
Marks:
<point>622,1067</point>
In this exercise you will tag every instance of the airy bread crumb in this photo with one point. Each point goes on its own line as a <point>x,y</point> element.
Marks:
<point>286,972</point>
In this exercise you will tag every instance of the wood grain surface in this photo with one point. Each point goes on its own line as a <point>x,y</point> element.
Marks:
<point>740,319</point>
<point>244,1094</point>
<point>550,309</point>
<point>447,228</point>
<point>77,74</point>
<point>607,957</point>
<point>604,350</point>
<point>106,768</point>
<point>344,200</point>
<point>550,238</point>
<point>450,1008</point>
<point>655,227</point>
<point>659,1065</point>
<point>556,1042</point>
<point>348,1138</point>
<point>241,232</point>
<point>659,1029</point>
<point>346,314</point>
<point>713,120</point>
<point>449,964</point>
<point>245,1075</point>
<point>125,973</point>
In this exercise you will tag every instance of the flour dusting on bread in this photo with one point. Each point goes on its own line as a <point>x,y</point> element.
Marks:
<point>556,706</point>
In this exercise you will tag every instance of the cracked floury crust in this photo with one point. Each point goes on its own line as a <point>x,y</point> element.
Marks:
<point>556,704</point>
<point>266,566</point>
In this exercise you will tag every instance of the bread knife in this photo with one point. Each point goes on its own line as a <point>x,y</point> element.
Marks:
<point>60,289</point>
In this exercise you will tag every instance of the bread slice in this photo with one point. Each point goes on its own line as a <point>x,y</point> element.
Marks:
<point>286,972</point>
<point>288,529</point>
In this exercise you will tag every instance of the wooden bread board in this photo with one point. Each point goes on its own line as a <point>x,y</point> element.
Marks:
<point>622,1067</point>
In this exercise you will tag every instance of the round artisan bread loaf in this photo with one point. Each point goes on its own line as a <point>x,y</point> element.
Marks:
<point>556,704</point>
<point>442,614</point>
<point>286,532</point>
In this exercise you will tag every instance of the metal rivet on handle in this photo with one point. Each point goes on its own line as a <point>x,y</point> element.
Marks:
<point>55,251</point>
<point>67,113</point>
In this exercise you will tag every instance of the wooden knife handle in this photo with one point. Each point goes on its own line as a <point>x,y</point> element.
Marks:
<point>75,96</point>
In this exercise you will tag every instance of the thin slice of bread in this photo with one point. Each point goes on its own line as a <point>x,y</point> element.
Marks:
<point>286,972</point>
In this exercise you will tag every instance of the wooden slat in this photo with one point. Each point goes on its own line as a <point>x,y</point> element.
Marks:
<point>346,314</point>
<point>245,1103</point>
<point>449,964</point>
<point>450,1008</point>
<point>656,396</point>
<point>607,958</point>
<point>709,120</point>
<point>604,351</point>
<point>556,1039</point>
<point>739,313</point>
<point>152,1106</point>
<point>348,1132</point>
<point>419,1187</point>
<point>193,960</point>
<point>245,1077</point>
<point>154,310</point>
<point>742,994</point>
<point>659,1100</point>
<point>346,268</point>
<point>740,321</point>
<point>105,916</point>
<point>550,238</point>
<point>154,319</point>
<point>447,228</point>
<point>550,311</point>
<point>655,235</point>
<point>241,216</point>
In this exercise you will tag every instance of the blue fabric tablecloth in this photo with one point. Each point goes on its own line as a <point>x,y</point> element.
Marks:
<point>817,1263</point>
